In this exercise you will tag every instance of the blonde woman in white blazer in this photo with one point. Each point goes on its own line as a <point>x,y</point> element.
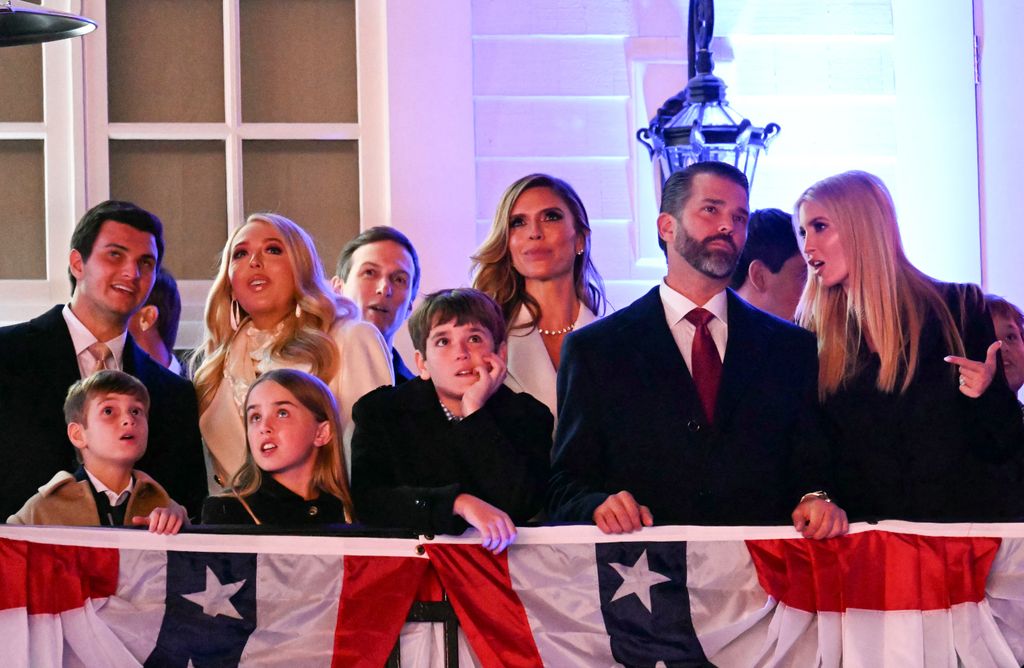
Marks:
<point>536,264</point>
<point>270,307</point>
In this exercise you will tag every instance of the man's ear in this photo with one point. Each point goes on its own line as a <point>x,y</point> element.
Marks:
<point>756,274</point>
<point>147,316</point>
<point>323,434</point>
<point>76,263</point>
<point>666,227</point>
<point>503,351</point>
<point>421,365</point>
<point>338,285</point>
<point>76,434</point>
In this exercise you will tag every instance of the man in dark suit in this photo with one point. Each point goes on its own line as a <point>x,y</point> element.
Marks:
<point>380,271</point>
<point>690,406</point>
<point>115,251</point>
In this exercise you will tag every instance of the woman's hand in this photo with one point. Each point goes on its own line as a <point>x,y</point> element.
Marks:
<point>490,375</point>
<point>495,526</point>
<point>975,377</point>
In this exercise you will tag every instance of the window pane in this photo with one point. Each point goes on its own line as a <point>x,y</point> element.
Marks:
<point>182,182</point>
<point>298,61</point>
<point>315,183</point>
<point>165,61</point>
<point>21,84</point>
<point>23,209</point>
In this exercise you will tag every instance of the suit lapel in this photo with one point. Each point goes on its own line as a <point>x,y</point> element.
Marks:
<point>660,359</point>
<point>130,361</point>
<point>55,349</point>
<point>744,353</point>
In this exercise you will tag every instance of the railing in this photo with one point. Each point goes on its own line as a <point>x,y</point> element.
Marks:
<point>895,592</point>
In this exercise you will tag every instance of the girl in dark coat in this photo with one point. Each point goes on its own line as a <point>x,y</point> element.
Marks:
<point>294,465</point>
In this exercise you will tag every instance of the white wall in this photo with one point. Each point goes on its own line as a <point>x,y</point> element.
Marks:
<point>432,176</point>
<point>1000,24</point>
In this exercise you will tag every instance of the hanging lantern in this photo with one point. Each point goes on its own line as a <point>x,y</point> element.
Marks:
<point>31,26</point>
<point>697,124</point>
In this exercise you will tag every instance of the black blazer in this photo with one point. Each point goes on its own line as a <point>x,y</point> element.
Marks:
<point>930,453</point>
<point>630,419</point>
<point>274,505</point>
<point>37,366</point>
<point>409,462</point>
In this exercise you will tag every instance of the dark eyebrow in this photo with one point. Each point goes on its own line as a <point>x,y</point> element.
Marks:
<point>722,202</point>
<point>121,247</point>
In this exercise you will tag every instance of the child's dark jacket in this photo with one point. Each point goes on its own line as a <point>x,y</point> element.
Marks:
<point>409,462</point>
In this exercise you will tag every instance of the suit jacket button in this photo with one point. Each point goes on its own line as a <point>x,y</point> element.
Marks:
<point>693,425</point>
<point>420,503</point>
<point>313,510</point>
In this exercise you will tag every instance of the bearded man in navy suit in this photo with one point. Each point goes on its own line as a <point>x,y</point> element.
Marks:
<point>116,249</point>
<point>670,417</point>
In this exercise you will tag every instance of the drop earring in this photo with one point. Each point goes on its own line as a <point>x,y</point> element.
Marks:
<point>236,314</point>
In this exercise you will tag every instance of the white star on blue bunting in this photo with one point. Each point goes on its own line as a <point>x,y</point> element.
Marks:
<point>638,579</point>
<point>216,598</point>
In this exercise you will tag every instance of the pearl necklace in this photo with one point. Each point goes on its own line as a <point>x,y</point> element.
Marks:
<point>556,332</point>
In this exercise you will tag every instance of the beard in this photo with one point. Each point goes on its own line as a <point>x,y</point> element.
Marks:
<point>714,263</point>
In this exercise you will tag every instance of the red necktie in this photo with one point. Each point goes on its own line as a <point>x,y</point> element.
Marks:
<point>705,363</point>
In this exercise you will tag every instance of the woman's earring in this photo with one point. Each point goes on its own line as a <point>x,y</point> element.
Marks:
<point>579,252</point>
<point>236,314</point>
<point>298,310</point>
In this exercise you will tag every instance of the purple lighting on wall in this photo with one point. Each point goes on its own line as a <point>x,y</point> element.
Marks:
<point>697,124</point>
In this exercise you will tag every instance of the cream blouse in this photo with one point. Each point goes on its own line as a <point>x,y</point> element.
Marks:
<point>364,365</point>
<point>529,368</point>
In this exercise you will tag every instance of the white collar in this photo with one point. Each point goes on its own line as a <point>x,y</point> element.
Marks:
<point>82,338</point>
<point>678,305</point>
<point>115,498</point>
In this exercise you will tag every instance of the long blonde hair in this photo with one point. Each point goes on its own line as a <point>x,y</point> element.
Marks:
<point>303,340</point>
<point>329,465</point>
<point>492,262</point>
<point>886,296</point>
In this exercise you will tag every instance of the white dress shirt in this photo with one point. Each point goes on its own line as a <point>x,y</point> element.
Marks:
<point>82,338</point>
<point>115,498</point>
<point>677,306</point>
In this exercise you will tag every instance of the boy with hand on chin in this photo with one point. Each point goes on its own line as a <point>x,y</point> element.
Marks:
<point>453,446</point>
<point>107,418</point>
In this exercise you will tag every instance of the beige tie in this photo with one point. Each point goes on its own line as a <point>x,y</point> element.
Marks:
<point>100,354</point>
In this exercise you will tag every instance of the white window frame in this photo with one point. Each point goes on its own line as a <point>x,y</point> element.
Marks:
<point>371,132</point>
<point>64,166</point>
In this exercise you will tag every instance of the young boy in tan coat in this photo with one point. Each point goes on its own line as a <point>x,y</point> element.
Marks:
<point>107,417</point>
